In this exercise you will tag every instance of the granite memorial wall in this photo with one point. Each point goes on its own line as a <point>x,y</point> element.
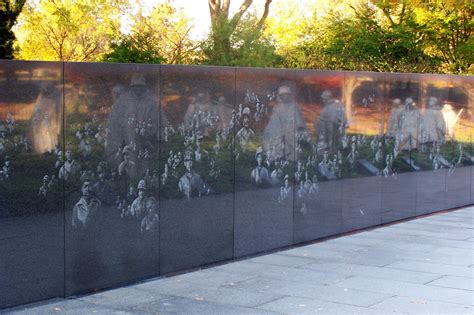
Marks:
<point>112,173</point>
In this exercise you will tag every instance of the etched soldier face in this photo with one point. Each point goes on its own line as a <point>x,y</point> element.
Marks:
<point>141,193</point>
<point>188,163</point>
<point>69,155</point>
<point>246,121</point>
<point>259,159</point>
<point>86,189</point>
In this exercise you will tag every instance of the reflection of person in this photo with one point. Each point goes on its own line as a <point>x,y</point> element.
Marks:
<point>44,128</point>
<point>332,122</point>
<point>432,123</point>
<point>408,126</point>
<point>86,209</point>
<point>138,105</point>
<point>450,119</point>
<point>397,108</point>
<point>224,111</point>
<point>280,132</point>
<point>199,114</point>
<point>191,183</point>
<point>260,173</point>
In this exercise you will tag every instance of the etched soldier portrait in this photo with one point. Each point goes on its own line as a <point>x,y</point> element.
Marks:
<point>191,183</point>
<point>70,167</point>
<point>86,210</point>
<point>245,134</point>
<point>259,174</point>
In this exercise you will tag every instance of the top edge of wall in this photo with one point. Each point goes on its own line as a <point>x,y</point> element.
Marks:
<point>239,67</point>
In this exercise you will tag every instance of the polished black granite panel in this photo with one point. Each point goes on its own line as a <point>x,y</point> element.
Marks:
<point>458,116</point>
<point>402,121</point>
<point>110,174</point>
<point>434,153</point>
<point>31,208</point>
<point>196,169</point>
<point>458,187</point>
<point>364,150</point>
<point>361,202</point>
<point>431,191</point>
<point>267,112</point>
<point>318,193</point>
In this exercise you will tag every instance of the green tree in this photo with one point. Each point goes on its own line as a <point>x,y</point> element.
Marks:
<point>248,48</point>
<point>125,51</point>
<point>448,27</point>
<point>69,30</point>
<point>234,39</point>
<point>9,11</point>
<point>164,34</point>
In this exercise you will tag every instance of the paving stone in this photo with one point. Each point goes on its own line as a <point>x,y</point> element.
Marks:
<point>180,305</point>
<point>297,305</point>
<point>454,282</point>
<point>440,269</point>
<point>461,235</point>
<point>127,297</point>
<point>375,272</point>
<point>371,241</point>
<point>433,223</point>
<point>230,296</point>
<point>409,290</point>
<point>71,307</point>
<point>211,277</point>
<point>420,306</point>
<point>325,293</point>
<point>365,256</point>
<point>450,219</point>
<point>433,227</point>
<point>281,260</point>
<point>284,273</point>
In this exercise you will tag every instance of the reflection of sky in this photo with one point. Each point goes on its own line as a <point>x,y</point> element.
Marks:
<point>362,120</point>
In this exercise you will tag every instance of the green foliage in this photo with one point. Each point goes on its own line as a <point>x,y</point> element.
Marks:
<point>69,30</point>
<point>9,11</point>
<point>164,33</point>
<point>379,35</point>
<point>126,52</point>
<point>447,28</point>
<point>246,46</point>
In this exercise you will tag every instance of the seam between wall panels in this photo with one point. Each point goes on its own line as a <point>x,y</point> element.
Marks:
<point>63,140</point>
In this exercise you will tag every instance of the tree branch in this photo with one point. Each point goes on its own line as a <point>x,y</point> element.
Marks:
<point>265,13</point>
<point>236,18</point>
